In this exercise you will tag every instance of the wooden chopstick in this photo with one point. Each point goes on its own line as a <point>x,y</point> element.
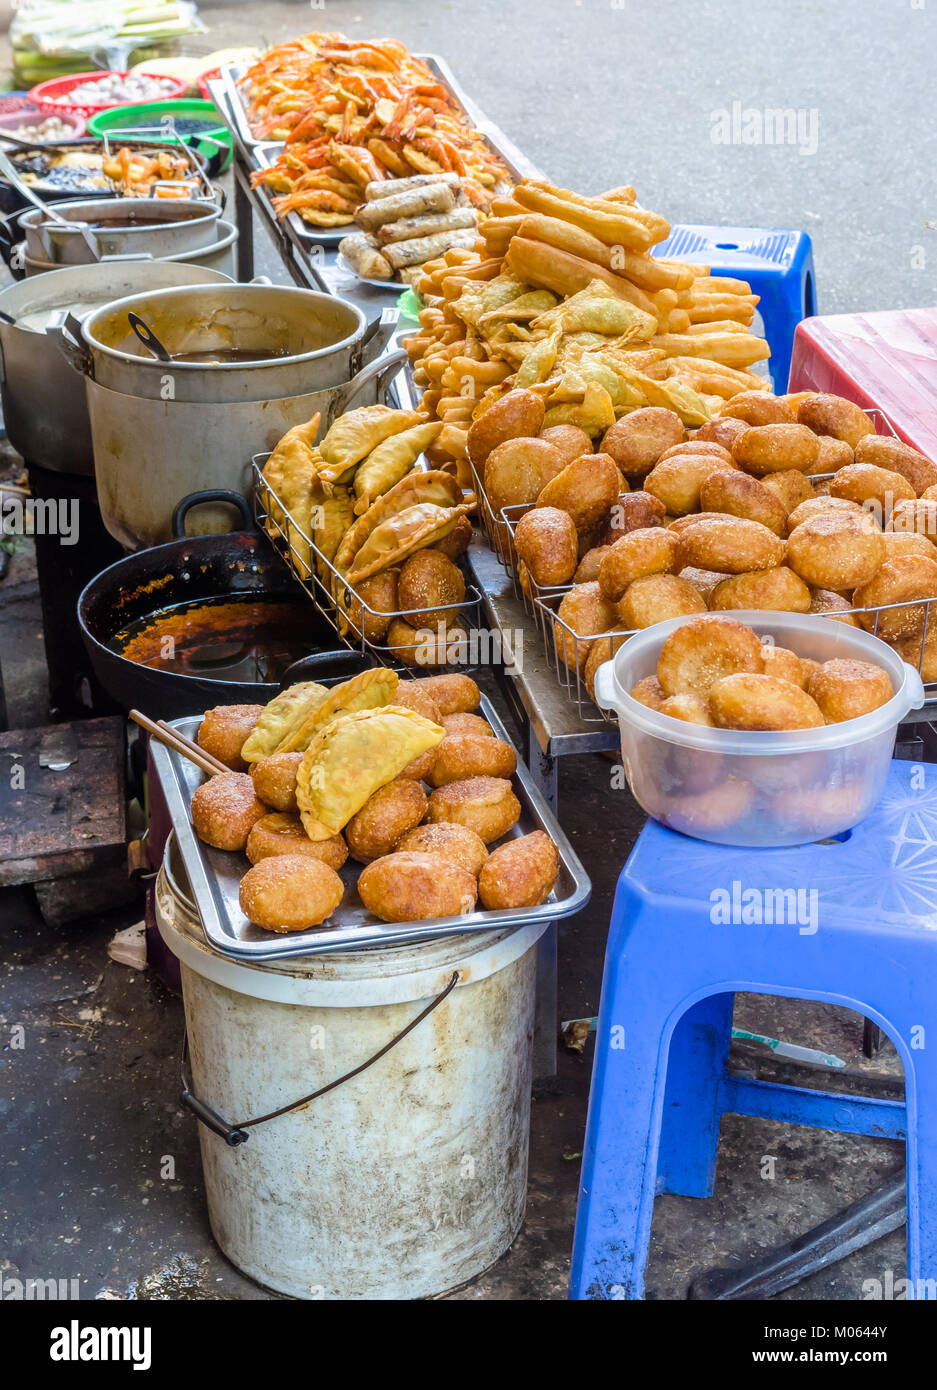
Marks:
<point>179,743</point>
<point>196,748</point>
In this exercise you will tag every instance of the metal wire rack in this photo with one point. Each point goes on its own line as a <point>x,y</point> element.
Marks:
<point>450,629</point>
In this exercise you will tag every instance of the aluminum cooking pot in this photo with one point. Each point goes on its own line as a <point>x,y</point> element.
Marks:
<point>43,396</point>
<point>217,255</point>
<point>321,342</point>
<point>153,227</point>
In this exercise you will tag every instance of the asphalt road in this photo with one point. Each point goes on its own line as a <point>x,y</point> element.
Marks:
<point>605,92</point>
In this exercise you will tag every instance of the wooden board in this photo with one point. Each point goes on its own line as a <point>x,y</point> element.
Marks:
<point>62,800</point>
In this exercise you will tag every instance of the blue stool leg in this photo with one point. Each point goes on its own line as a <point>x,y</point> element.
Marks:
<point>781,319</point>
<point>689,1135</point>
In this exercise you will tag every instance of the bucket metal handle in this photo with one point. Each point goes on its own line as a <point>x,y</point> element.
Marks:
<point>383,371</point>
<point>236,1134</point>
<point>67,334</point>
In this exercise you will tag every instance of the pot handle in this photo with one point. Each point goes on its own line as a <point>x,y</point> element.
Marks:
<point>66,332</point>
<point>375,338</point>
<point>214,494</point>
<point>383,370</point>
<point>340,664</point>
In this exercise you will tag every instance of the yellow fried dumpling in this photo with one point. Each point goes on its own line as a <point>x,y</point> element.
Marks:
<point>331,514</point>
<point>280,717</point>
<point>391,461</point>
<point>292,464</point>
<point>432,486</point>
<point>399,536</point>
<point>598,309</point>
<point>594,414</point>
<point>354,435</point>
<point>351,758</point>
<point>368,690</point>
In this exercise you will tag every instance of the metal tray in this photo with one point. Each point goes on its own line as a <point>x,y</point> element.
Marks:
<point>214,876</point>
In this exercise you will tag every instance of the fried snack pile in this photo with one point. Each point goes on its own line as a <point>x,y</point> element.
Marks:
<point>716,672</point>
<point>343,771</point>
<point>787,502</point>
<point>407,222</point>
<point>562,297</point>
<point>371,516</point>
<point>353,113</point>
<point>140,175</point>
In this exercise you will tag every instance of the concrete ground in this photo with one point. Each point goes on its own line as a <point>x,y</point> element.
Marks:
<point>596,94</point>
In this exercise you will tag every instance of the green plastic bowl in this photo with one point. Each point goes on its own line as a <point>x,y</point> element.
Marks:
<point>185,112</point>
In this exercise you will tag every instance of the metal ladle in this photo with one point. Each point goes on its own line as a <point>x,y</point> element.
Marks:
<point>147,337</point>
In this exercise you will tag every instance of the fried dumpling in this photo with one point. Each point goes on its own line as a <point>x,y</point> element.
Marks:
<point>594,414</point>
<point>354,435</point>
<point>351,758</point>
<point>280,717</point>
<point>293,462</point>
<point>433,486</point>
<point>391,461</point>
<point>393,540</point>
<point>598,309</point>
<point>331,513</point>
<point>368,690</point>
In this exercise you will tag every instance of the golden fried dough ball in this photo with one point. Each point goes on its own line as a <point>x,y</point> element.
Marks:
<point>759,408</point>
<point>690,708</point>
<point>602,650</point>
<point>790,487</point>
<point>410,887</point>
<point>657,597</point>
<point>453,693</point>
<point>919,516</point>
<point>830,605</point>
<point>907,543</point>
<point>274,780</point>
<point>472,755</point>
<point>846,689</point>
<point>224,810</point>
<point>486,805</point>
<point>893,454</point>
<point>418,696</point>
<point>921,653</point>
<point>582,613</point>
<point>720,808</point>
<point>724,430</point>
<point>466,724</point>
<point>832,455</point>
<point>703,581</point>
<point>633,512</point>
<point>517,414</point>
<point>587,489</point>
<point>423,647</point>
<point>376,600</point>
<point>519,874</point>
<point>651,551</point>
<point>290,892</point>
<point>548,543</point>
<point>455,843</point>
<point>458,540</point>
<point>223,731</point>
<point>588,567</point>
<point>836,416</point>
<point>637,441</point>
<point>677,481</point>
<point>739,494</point>
<point>816,506</point>
<point>748,701</point>
<point>280,833</point>
<point>729,543</point>
<point>836,550</point>
<point>785,664</point>
<point>698,446</point>
<point>767,449</point>
<point>430,581</point>
<point>389,813</point>
<point>900,581</point>
<point>517,471</point>
<point>569,441</point>
<point>779,589</point>
<point>864,482</point>
<point>648,691</point>
<point>680,523</point>
<point>704,650</point>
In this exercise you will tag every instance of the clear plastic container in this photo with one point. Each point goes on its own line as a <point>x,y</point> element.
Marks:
<point>735,787</point>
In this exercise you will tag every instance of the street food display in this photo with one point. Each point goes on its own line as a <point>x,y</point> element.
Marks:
<point>351,113</point>
<point>368,770</point>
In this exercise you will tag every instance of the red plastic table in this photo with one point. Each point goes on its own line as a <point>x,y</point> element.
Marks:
<point>885,360</point>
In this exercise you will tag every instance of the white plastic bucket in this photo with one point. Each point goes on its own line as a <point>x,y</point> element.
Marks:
<point>403,1182</point>
<point>735,787</point>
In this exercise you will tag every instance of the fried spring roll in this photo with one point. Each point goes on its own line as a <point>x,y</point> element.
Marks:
<point>387,188</point>
<point>429,225</point>
<point>421,248</point>
<point>363,255</point>
<point>415,202</point>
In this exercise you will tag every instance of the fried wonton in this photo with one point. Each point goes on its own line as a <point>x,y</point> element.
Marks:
<point>594,414</point>
<point>391,461</point>
<point>281,716</point>
<point>354,435</point>
<point>368,690</point>
<point>351,758</point>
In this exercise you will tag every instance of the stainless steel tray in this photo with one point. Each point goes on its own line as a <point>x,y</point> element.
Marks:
<point>214,876</point>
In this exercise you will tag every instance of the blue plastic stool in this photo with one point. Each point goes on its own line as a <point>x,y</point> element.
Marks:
<point>777,264</point>
<point>867,941</point>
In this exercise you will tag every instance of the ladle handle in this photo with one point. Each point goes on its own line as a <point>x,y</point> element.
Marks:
<point>147,337</point>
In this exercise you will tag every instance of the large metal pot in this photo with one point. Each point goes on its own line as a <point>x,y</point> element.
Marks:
<point>217,255</point>
<point>149,453</point>
<point>154,227</point>
<point>324,341</point>
<point>43,395</point>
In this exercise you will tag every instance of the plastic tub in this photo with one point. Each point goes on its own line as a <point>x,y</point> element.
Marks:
<point>734,787</point>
